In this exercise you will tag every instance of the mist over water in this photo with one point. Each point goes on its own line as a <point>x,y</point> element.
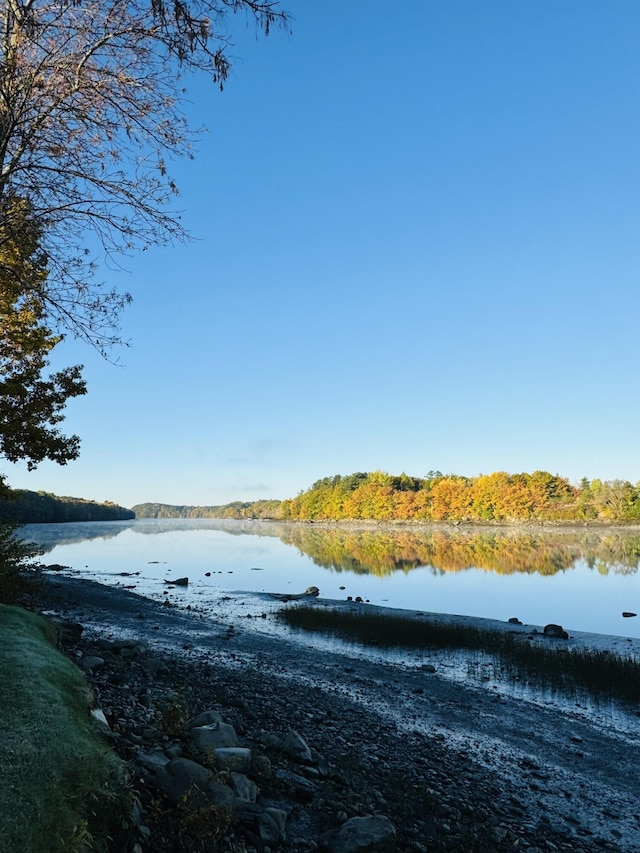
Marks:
<point>581,580</point>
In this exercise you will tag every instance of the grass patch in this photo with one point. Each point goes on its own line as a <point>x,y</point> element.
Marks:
<point>597,671</point>
<point>60,783</point>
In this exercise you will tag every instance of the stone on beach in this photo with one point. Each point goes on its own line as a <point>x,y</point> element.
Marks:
<point>203,739</point>
<point>372,833</point>
<point>236,758</point>
<point>182,778</point>
<point>556,632</point>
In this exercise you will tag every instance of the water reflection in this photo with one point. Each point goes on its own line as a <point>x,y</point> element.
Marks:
<point>383,552</point>
<point>50,536</point>
<point>503,552</point>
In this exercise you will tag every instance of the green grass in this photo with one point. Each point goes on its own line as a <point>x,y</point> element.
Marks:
<point>546,662</point>
<point>59,781</point>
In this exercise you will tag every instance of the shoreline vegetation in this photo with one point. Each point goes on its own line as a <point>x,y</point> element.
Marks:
<point>502,498</point>
<point>527,655</point>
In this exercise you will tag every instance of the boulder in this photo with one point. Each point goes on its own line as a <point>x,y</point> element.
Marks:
<point>123,648</point>
<point>236,758</point>
<point>68,632</point>
<point>153,760</point>
<point>204,719</point>
<point>244,789</point>
<point>312,590</point>
<point>296,747</point>
<point>370,834</point>
<point>268,823</point>
<point>205,739</point>
<point>185,781</point>
<point>302,789</point>
<point>272,826</point>
<point>179,582</point>
<point>556,631</point>
<point>91,662</point>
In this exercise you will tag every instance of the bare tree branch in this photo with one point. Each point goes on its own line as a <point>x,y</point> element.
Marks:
<point>91,110</point>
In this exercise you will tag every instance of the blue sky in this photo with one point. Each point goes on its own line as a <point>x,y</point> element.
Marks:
<point>417,247</point>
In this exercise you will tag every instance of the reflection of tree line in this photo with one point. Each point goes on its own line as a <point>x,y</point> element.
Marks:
<point>363,551</point>
<point>49,536</point>
<point>383,552</point>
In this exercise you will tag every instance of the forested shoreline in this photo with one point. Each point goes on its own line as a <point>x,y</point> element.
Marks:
<point>27,507</point>
<point>378,496</point>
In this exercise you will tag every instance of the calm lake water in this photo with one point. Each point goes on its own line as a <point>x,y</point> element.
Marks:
<point>581,580</point>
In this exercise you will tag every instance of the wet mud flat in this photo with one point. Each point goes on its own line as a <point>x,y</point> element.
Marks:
<point>451,766</point>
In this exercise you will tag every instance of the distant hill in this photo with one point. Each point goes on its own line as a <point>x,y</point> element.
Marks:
<point>42,507</point>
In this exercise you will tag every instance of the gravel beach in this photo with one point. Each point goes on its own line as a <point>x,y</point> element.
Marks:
<point>418,761</point>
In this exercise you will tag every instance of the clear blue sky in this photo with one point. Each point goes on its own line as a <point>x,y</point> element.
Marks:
<point>418,247</point>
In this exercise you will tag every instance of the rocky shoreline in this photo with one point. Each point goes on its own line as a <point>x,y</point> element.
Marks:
<point>300,750</point>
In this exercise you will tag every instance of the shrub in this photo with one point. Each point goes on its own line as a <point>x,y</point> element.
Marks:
<point>16,555</point>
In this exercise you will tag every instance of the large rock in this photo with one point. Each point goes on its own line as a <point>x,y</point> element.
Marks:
<point>556,631</point>
<point>236,758</point>
<point>154,760</point>
<point>371,834</point>
<point>123,648</point>
<point>205,739</point>
<point>185,781</point>
<point>68,632</point>
<point>244,789</point>
<point>91,662</point>
<point>272,826</point>
<point>296,747</point>
<point>303,789</point>
<point>204,719</point>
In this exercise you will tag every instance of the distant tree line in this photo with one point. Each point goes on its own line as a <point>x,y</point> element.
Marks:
<point>238,509</point>
<point>378,496</point>
<point>25,507</point>
<point>489,497</point>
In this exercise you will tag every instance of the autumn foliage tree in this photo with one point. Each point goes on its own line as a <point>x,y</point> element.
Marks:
<point>31,402</point>
<point>497,497</point>
<point>487,499</point>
